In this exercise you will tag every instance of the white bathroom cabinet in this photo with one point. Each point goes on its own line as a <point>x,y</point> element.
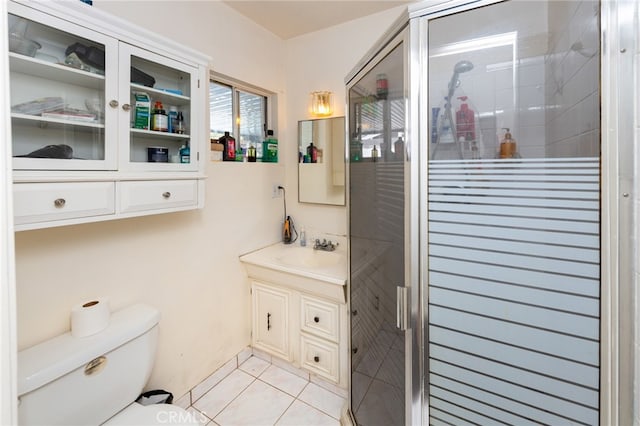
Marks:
<point>271,320</point>
<point>307,329</point>
<point>83,114</point>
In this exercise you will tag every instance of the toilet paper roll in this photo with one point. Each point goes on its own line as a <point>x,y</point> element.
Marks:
<point>90,317</point>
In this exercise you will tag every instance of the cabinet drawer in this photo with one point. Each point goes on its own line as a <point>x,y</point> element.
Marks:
<point>319,318</point>
<point>320,357</point>
<point>157,195</point>
<point>44,202</point>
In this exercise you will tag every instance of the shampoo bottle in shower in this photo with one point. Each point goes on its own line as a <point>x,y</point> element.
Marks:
<point>508,146</point>
<point>465,122</point>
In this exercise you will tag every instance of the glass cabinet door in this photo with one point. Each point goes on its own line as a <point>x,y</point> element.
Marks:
<point>60,78</point>
<point>159,117</point>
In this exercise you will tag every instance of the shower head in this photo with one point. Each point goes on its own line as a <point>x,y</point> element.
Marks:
<point>459,68</point>
<point>462,66</point>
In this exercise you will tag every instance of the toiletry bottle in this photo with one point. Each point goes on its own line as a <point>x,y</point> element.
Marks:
<point>179,123</point>
<point>508,146</point>
<point>240,154</point>
<point>229,144</point>
<point>185,153</point>
<point>374,153</point>
<point>398,148</point>
<point>173,117</point>
<point>312,152</point>
<point>251,154</point>
<point>465,122</point>
<point>303,237</point>
<point>270,148</point>
<point>355,149</point>
<point>435,116</point>
<point>382,86</point>
<point>159,119</point>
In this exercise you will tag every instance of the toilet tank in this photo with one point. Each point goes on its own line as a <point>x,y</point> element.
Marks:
<point>82,381</point>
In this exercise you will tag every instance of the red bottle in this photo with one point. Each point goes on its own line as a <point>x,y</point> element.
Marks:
<point>465,122</point>
<point>229,144</point>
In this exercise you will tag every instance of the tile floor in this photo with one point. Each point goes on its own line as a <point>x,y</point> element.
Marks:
<point>254,390</point>
<point>378,382</point>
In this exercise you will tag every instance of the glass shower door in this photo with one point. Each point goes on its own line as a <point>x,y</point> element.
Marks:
<point>376,232</point>
<point>513,192</point>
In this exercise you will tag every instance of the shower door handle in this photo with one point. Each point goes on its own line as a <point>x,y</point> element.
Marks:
<point>402,308</point>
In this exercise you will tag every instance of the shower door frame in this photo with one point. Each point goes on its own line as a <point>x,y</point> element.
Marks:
<point>617,314</point>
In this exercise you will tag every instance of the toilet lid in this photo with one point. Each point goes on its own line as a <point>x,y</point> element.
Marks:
<point>156,414</point>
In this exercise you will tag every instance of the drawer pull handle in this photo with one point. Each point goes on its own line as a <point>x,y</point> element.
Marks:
<point>268,321</point>
<point>59,202</point>
<point>113,103</point>
<point>126,107</point>
<point>166,194</point>
<point>316,358</point>
<point>316,319</point>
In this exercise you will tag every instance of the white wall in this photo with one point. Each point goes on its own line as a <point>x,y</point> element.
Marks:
<point>186,264</point>
<point>320,61</point>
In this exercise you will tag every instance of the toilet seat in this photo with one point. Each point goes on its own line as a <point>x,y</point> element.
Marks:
<point>150,415</point>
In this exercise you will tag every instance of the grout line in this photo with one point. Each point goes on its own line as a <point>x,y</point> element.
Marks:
<point>236,397</point>
<point>319,410</point>
<point>285,411</point>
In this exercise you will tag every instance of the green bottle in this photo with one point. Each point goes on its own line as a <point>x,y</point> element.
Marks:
<point>270,148</point>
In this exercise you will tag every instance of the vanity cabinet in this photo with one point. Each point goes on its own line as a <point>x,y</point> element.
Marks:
<point>271,320</point>
<point>74,75</point>
<point>309,330</point>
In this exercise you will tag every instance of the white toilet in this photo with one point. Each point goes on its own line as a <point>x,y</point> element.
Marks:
<point>95,380</point>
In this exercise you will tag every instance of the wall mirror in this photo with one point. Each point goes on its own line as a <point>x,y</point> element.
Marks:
<point>321,161</point>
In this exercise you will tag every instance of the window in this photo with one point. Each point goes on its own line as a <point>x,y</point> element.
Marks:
<point>245,111</point>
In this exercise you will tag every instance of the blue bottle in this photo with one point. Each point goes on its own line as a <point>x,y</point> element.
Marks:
<point>185,153</point>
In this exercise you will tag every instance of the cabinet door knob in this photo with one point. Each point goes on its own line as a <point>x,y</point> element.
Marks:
<point>59,202</point>
<point>113,103</point>
<point>126,107</point>
<point>166,194</point>
<point>316,358</point>
<point>316,319</point>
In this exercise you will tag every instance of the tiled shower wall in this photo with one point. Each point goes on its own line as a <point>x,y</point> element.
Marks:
<point>489,86</point>
<point>571,69</point>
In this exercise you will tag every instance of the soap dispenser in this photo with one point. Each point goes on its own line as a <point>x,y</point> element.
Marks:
<point>508,146</point>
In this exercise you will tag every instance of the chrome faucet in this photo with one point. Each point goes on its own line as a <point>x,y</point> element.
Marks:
<point>324,245</point>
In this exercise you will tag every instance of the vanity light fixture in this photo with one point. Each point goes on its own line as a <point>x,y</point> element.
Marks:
<point>321,104</point>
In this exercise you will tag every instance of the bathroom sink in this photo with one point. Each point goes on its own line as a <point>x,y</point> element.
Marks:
<point>310,258</point>
<point>302,268</point>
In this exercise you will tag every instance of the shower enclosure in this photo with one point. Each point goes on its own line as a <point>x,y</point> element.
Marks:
<point>483,218</point>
